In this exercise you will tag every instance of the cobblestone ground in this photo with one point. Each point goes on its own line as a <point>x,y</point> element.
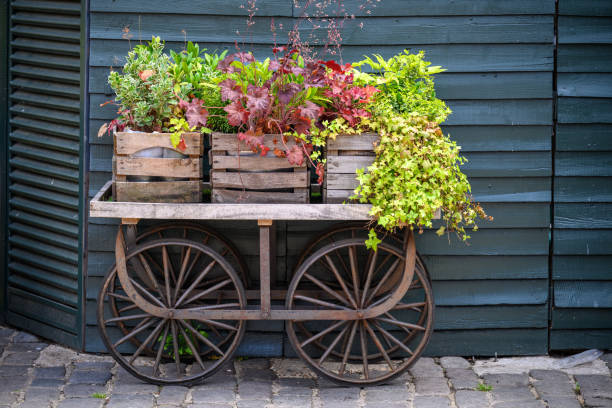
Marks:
<point>36,374</point>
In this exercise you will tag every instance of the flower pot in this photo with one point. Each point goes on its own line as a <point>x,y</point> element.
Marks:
<point>240,176</point>
<point>345,154</point>
<point>139,165</point>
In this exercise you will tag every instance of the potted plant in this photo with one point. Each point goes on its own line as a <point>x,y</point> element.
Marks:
<point>280,108</point>
<point>161,120</point>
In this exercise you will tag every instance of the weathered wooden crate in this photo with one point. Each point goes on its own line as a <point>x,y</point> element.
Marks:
<point>239,175</point>
<point>345,155</point>
<point>182,177</point>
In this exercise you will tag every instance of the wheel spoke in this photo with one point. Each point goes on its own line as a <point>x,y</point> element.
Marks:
<point>177,357</point>
<point>195,283</point>
<point>184,262</point>
<point>146,293</point>
<point>207,291</point>
<point>341,282</point>
<point>127,308</point>
<point>323,333</point>
<point>392,320</point>
<point>118,296</point>
<point>332,345</point>
<point>166,262</point>
<point>202,338</point>
<point>160,351</point>
<point>354,273</point>
<point>349,346</point>
<point>141,326</point>
<point>368,282</point>
<point>327,289</point>
<point>413,306</point>
<point>378,345</point>
<point>364,351</point>
<point>219,324</point>
<point>124,318</point>
<point>151,336</point>
<point>151,277</point>
<point>212,307</point>
<point>391,337</point>
<point>383,280</point>
<point>320,302</point>
<point>196,353</point>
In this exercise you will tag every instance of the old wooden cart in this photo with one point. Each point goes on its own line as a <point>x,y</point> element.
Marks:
<point>173,309</point>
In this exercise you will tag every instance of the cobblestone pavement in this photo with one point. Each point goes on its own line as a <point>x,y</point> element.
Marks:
<point>36,374</point>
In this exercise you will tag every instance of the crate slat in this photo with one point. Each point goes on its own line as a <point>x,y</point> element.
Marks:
<point>159,191</point>
<point>132,142</point>
<point>253,178</point>
<point>148,166</point>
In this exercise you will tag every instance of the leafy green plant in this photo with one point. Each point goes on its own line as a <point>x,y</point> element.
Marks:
<point>577,388</point>
<point>183,346</point>
<point>145,90</point>
<point>484,387</point>
<point>98,395</point>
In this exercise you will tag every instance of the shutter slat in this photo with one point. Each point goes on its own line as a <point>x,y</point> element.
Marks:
<point>45,155</point>
<point>46,101</point>
<point>48,61</point>
<point>47,210</point>
<point>46,141</point>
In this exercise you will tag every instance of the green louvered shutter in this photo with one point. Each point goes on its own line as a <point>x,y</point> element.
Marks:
<point>43,289</point>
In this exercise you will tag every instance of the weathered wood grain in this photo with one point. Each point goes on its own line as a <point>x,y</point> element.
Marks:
<point>583,189</point>
<point>585,58</point>
<point>582,242</point>
<point>132,142</point>
<point>363,141</point>
<point>576,267</point>
<point>581,137</point>
<point>146,166</point>
<point>586,339</point>
<point>262,181</point>
<point>252,163</point>
<point>159,191</point>
<point>231,143</point>
<point>300,195</point>
<point>583,215</point>
<point>585,30</point>
<point>583,294</point>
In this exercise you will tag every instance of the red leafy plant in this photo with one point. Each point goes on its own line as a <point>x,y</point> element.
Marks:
<point>289,95</point>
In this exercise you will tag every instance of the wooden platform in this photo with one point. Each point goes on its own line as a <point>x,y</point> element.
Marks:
<point>101,207</point>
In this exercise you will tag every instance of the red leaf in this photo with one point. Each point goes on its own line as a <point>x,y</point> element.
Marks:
<point>295,155</point>
<point>311,110</point>
<point>320,170</point>
<point>195,112</point>
<point>182,146</point>
<point>236,114</point>
<point>144,75</point>
<point>258,99</point>
<point>230,90</point>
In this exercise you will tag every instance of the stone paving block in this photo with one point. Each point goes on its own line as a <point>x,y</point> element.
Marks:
<point>89,377</point>
<point>130,401</point>
<point>172,395</point>
<point>34,404</point>
<point>499,381</point>
<point>431,386</point>
<point>512,394</point>
<point>523,404</point>
<point>50,372</point>
<point>83,390</point>
<point>255,390</point>
<point>5,332</point>
<point>94,365</point>
<point>597,402</point>
<point>292,401</point>
<point>388,393</point>
<point>142,388</point>
<point>254,374</point>
<point>248,404</point>
<point>430,402</point>
<point>595,385</point>
<point>213,396</point>
<point>339,394</point>
<point>24,347</point>
<point>549,375</point>
<point>125,377</point>
<point>81,403</point>
<point>13,370</point>
<point>252,363</point>
<point>385,404</point>
<point>454,362</point>
<point>42,394</point>
<point>23,337</point>
<point>47,382</point>
<point>11,384</point>
<point>296,386</point>
<point>607,357</point>
<point>562,402</point>
<point>7,398</point>
<point>426,367</point>
<point>554,388</point>
<point>462,378</point>
<point>21,357</point>
<point>218,381</point>
<point>471,399</point>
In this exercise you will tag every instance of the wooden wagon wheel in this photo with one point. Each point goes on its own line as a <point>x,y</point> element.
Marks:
<point>184,230</point>
<point>397,337</point>
<point>196,349</point>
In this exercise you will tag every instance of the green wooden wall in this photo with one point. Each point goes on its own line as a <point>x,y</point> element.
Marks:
<point>493,294</point>
<point>582,236</point>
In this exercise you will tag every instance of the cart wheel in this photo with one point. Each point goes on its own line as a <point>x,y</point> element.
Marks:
<point>346,274</point>
<point>203,234</point>
<point>174,274</point>
<point>354,230</point>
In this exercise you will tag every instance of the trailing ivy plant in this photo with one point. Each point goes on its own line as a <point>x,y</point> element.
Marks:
<point>417,168</point>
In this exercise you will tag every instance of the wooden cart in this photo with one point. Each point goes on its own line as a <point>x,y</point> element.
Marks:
<point>174,307</point>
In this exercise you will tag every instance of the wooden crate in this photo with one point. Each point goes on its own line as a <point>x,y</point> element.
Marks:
<point>188,190</point>
<point>239,175</point>
<point>345,155</point>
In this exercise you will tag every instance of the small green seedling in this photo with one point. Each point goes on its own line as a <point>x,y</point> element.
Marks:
<point>577,388</point>
<point>484,387</point>
<point>98,395</point>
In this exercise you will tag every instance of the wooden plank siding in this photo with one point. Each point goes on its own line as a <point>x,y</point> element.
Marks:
<point>492,294</point>
<point>582,259</point>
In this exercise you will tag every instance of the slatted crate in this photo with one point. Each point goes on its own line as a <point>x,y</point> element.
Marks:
<point>182,176</point>
<point>239,175</point>
<point>345,154</point>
